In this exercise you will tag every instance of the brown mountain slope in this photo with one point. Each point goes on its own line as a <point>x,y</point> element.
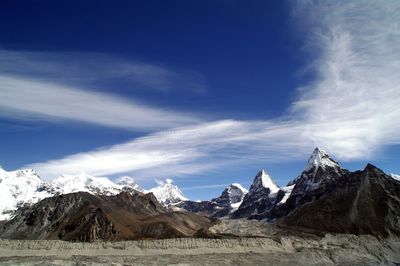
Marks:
<point>363,202</point>
<point>85,217</point>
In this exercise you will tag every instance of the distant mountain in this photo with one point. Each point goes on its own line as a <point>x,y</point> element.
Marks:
<point>324,196</point>
<point>127,183</point>
<point>86,183</point>
<point>25,187</point>
<point>263,194</point>
<point>363,202</point>
<point>21,187</point>
<point>168,193</point>
<point>222,206</point>
<point>87,217</point>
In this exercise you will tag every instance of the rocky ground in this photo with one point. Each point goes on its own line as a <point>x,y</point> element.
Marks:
<point>245,243</point>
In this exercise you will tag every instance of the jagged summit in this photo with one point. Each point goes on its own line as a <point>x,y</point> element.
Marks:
<point>319,166</point>
<point>238,186</point>
<point>319,158</point>
<point>232,195</point>
<point>262,195</point>
<point>263,180</point>
<point>168,193</point>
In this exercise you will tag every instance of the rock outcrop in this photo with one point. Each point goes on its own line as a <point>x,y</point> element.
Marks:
<point>363,202</point>
<point>86,217</point>
<point>222,206</point>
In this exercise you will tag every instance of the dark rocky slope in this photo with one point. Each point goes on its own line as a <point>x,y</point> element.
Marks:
<point>319,177</point>
<point>363,202</point>
<point>262,196</point>
<point>86,217</point>
<point>222,206</point>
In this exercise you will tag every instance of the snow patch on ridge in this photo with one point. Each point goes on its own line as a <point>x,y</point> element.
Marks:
<point>397,177</point>
<point>287,190</point>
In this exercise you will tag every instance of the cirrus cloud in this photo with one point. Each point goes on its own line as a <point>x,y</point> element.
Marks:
<point>351,107</point>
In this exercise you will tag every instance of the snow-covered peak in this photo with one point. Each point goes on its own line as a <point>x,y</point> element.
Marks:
<point>319,158</point>
<point>129,182</point>
<point>263,180</point>
<point>397,177</point>
<point>235,194</point>
<point>238,186</point>
<point>168,193</point>
<point>21,187</point>
<point>85,183</point>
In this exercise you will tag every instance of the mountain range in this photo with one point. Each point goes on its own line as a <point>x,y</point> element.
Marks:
<point>323,197</point>
<point>25,187</point>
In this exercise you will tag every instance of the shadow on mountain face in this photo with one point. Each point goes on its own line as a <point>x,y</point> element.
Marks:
<point>363,202</point>
<point>86,217</point>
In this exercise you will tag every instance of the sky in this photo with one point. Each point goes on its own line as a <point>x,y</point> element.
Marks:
<point>203,92</point>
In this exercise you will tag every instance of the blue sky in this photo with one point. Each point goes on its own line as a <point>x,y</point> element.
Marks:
<point>203,92</point>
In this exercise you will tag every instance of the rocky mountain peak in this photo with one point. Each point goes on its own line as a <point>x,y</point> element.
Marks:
<point>237,186</point>
<point>319,158</point>
<point>233,194</point>
<point>263,180</point>
<point>320,166</point>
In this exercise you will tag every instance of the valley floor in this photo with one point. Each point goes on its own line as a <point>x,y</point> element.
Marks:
<point>255,244</point>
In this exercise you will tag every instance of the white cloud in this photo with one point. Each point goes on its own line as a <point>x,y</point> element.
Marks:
<point>353,104</point>
<point>22,98</point>
<point>351,108</point>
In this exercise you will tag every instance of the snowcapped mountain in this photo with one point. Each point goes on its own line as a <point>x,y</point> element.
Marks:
<point>232,196</point>
<point>319,177</point>
<point>25,187</point>
<point>266,200</point>
<point>95,185</point>
<point>86,183</point>
<point>129,184</point>
<point>320,167</point>
<point>21,187</point>
<point>229,200</point>
<point>361,202</point>
<point>168,193</point>
<point>263,183</point>
<point>262,195</point>
<point>320,172</point>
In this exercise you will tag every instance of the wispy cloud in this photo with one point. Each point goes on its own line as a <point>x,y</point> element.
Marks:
<point>351,107</point>
<point>186,150</point>
<point>353,103</point>
<point>96,69</point>
<point>22,98</point>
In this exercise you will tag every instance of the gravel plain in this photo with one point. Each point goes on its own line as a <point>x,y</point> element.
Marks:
<point>244,243</point>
